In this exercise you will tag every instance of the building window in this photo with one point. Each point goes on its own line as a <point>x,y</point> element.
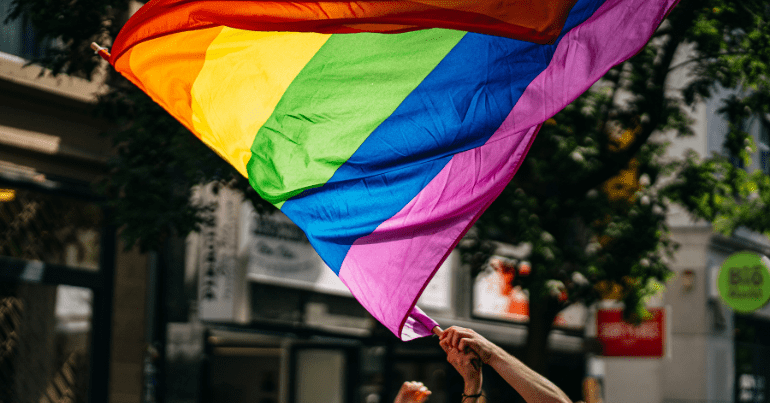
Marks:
<point>18,37</point>
<point>46,227</point>
<point>497,295</point>
<point>46,333</point>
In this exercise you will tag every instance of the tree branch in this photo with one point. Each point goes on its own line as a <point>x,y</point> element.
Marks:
<point>697,59</point>
<point>656,102</point>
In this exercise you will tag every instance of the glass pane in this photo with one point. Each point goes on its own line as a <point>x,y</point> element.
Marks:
<point>45,338</point>
<point>495,295</point>
<point>246,374</point>
<point>320,376</point>
<point>10,34</point>
<point>50,228</point>
<point>18,37</point>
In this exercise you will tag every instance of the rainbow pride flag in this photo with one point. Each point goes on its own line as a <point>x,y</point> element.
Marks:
<point>382,128</point>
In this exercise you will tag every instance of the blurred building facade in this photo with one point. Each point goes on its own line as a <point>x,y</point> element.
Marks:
<point>270,322</point>
<point>72,302</point>
<point>711,353</point>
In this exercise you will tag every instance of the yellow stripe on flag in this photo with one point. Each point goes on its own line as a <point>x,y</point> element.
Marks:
<point>244,76</point>
<point>166,68</point>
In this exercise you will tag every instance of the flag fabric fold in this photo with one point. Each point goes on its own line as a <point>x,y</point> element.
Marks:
<point>383,129</point>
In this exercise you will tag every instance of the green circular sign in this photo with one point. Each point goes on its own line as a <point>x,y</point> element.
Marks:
<point>744,281</point>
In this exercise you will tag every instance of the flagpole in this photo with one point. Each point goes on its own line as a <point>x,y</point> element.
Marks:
<point>103,52</point>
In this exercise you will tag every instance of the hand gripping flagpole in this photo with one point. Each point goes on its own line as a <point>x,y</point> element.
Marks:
<point>103,52</point>
<point>476,361</point>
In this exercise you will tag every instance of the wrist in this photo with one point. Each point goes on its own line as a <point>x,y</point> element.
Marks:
<point>472,387</point>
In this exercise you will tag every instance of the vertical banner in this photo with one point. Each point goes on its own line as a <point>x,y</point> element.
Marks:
<point>221,279</point>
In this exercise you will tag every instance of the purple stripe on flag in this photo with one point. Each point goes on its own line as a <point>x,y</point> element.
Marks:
<point>417,324</point>
<point>426,230</point>
<point>388,270</point>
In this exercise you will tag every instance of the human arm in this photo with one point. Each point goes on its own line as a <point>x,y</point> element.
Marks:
<point>533,387</point>
<point>412,392</point>
<point>468,365</point>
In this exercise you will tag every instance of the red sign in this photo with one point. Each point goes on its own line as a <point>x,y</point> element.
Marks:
<point>622,339</point>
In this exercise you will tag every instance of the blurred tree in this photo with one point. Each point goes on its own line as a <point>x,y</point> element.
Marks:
<point>591,197</point>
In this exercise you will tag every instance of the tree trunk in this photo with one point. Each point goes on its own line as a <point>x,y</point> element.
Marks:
<point>541,316</point>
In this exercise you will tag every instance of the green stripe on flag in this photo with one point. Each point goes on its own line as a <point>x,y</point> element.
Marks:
<point>351,85</point>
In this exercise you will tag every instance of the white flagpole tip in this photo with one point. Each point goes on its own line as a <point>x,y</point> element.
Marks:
<point>103,52</point>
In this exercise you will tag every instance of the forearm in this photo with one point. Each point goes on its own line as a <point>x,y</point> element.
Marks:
<point>533,387</point>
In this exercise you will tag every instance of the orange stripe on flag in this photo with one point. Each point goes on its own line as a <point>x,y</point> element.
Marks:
<point>166,68</point>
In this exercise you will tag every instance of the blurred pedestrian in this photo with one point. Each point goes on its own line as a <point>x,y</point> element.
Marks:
<point>462,345</point>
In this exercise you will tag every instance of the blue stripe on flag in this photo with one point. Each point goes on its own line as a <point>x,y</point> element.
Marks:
<point>458,106</point>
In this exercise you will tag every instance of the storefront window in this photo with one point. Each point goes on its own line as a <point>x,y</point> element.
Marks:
<point>50,228</point>
<point>246,374</point>
<point>44,342</point>
<point>752,359</point>
<point>496,295</point>
<point>320,375</point>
